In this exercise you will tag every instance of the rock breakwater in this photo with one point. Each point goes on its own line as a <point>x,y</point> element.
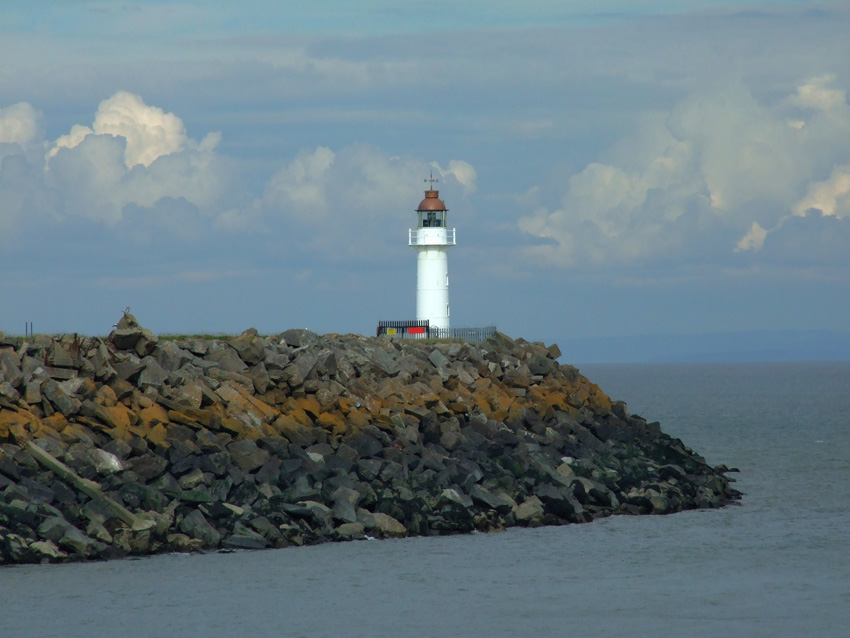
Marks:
<point>135,444</point>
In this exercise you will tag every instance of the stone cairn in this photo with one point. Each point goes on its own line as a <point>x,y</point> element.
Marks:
<point>134,445</point>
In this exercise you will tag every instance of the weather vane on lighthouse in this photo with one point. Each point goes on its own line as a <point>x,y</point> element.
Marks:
<point>431,239</point>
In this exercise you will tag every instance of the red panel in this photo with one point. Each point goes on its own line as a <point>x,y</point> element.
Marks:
<point>416,331</point>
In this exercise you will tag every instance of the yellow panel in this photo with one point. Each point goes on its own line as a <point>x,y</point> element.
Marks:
<point>391,331</point>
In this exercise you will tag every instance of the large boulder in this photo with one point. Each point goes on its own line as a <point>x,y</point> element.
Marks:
<point>53,392</point>
<point>152,375</point>
<point>245,538</point>
<point>195,525</point>
<point>380,524</point>
<point>129,335</point>
<point>530,512</point>
<point>247,455</point>
<point>299,337</point>
<point>250,346</point>
<point>226,357</point>
<point>10,369</point>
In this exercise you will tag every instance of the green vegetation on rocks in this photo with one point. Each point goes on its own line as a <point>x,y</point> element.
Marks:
<point>135,444</point>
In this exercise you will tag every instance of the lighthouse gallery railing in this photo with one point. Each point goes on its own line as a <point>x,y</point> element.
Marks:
<point>414,238</point>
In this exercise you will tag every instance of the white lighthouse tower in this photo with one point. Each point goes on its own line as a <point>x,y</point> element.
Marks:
<point>431,239</point>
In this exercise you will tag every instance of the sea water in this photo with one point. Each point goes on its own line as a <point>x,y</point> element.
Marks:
<point>776,565</point>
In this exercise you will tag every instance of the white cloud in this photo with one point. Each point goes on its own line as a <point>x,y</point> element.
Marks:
<point>817,93</point>
<point>136,171</point>
<point>355,200</point>
<point>720,163</point>
<point>19,124</point>
<point>753,240</point>
<point>134,156</point>
<point>462,171</point>
<point>148,131</point>
<point>71,140</point>
<point>301,185</point>
<point>358,180</point>
<point>831,196</point>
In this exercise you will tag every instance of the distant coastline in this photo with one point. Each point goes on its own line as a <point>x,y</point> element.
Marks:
<point>756,345</point>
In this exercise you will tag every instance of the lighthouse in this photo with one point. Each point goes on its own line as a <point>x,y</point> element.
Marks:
<point>431,238</point>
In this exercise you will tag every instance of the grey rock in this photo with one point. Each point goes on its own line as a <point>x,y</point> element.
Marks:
<point>542,365</point>
<point>300,369</point>
<point>105,462</point>
<point>127,366</point>
<point>32,368</point>
<point>320,514</point>
<point>326,365</point>
<point>100,361</point>
<point>192,479</point>
<point>245,538</point>
<point>350,531</point>
<point>344,511</point>
<point>560,501</point>
<point>190,394</point>
<point>268,530</point>
<point>47,550</point>
<point>247,455</point>
<point>226,357</point>
<point>51,390</point>
<point>8,391</point>
<point>10,368</point>
<point>250,346</point>
<point>299,337</point>
<point>275,361</point>
<point>368,469</point>
<point>260,378</point>
<point>530,512</point>
<point>148,466</point>
<point>78,543</point>
<point>72,387</point>
<point>450,436</point>
<point>152,375</point>
<point>171,356</point>
<point>489,500</point>
<point>385,362</point>
<point>54,528</point>
<point>365,444</point>
<point>381,524</point>
<point>147,343</point>
<point>125,338</point>
<point>195,525</point>
<point>438,359</point>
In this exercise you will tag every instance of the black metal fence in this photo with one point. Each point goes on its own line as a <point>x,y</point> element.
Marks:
<point>416,329</point>
<point>466,334</point>
<point>410,329</point>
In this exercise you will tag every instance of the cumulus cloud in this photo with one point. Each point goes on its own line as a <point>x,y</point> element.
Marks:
<point>355,200</point>
<point>819,94</point>
<point>135,173</point>
<point>19,124</point>
<point>720,168</point>
<point>134,157</point>
<point>831,196</point>
<point>463,172</point>
<point>148,131</point>
<point>753,240</point>
<point>302,184</point>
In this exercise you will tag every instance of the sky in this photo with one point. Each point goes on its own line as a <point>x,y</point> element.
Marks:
<point>612,168</point>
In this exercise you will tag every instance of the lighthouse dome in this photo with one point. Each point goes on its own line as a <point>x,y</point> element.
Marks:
<point>431,202</point>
